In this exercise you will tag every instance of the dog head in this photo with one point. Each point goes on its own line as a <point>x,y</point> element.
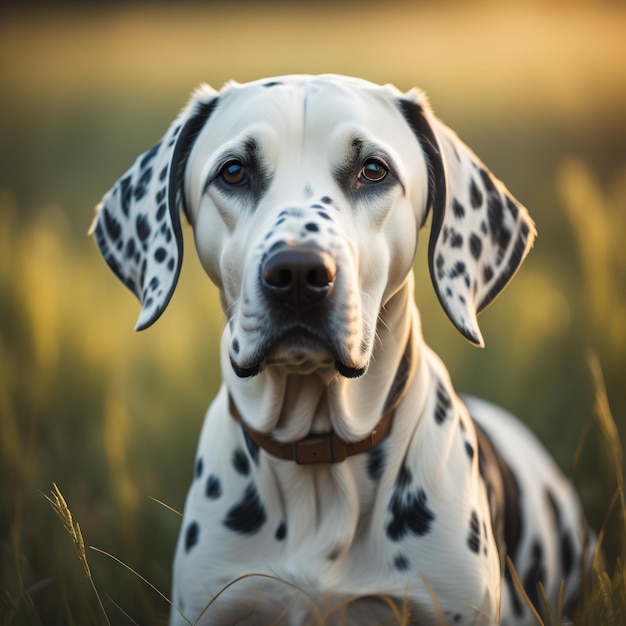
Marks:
<point>306,195</point>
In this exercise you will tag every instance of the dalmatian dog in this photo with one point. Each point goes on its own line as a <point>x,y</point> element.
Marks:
<point>339,478</point>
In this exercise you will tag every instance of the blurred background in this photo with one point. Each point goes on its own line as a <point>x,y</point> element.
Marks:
<point>112,417</point>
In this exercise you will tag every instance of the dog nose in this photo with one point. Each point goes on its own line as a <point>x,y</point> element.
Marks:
<point>299,276</point>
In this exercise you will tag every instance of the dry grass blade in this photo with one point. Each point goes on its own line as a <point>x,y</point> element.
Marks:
<point>521,591</point>
<point>120,609</point>
<point>607,425</point>
<point>318,615</point>
<point>559,606</point>
<point>142,578</point>
<point>166,506</point>
<point>440,617</point>
<point>546,604</point>
<point>604,600</point>
<point>60,507</point>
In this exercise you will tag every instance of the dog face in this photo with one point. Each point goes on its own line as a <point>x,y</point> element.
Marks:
<point>306,195</point>
<point>300,200</point>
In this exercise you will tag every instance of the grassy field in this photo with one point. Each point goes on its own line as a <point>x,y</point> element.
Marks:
<point>112,417</point>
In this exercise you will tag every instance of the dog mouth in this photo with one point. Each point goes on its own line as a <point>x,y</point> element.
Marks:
<point>303,351</point>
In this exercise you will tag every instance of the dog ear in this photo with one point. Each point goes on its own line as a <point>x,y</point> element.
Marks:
<point>480,234</point>
<point>137,223</point>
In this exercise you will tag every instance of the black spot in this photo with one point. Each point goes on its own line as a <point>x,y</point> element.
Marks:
<point>476,196</point>
<point>113,227</point>
<point>456,241</point>
<point>160,254</point>
<point>512,207</point>
<point>473,540</point>
<point>487,273</point>
<point>566,548</point>
<point>160,214</point>
<point>487,181</point>
<point>312,227</point>
<point>149,155</point>
<point>449,292</point>
<point>130,248</point>
<point>469,449</point>
<point>199,467</point>
<point>326,200</point>
<point>475,246</point>
<point>324,215</point>
<point>281,531</point>
<point>376,462</point>
<point>141,186</point>
<point>154,283</point>
<point>404,477</point>
<point>126,191</point>
<point>142,225</point>
<point>235,345</point>
<point>442,405</point>
<point>149,302</point>
<point>192,535</point>
<point>142,278</point>
<point>240,462</point>
<point>170,265</point>
<point>272,83</point>
<point>401,563</point>
<point>213,487</point>
<point>439,261</point>
<point>535,574</point>
<point>248,515</point>
<point>458,209</point>
<point>567,554</point>
<point>409,514</point>
<point>163,174</point>
<point>500,235</point>
<point>459,269</point>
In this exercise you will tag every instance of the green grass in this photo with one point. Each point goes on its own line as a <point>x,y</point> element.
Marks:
<point>113,417</point>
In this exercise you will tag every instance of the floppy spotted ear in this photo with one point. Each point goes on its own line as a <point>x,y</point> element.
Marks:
<point>480,233</point>
<point>137,224</point>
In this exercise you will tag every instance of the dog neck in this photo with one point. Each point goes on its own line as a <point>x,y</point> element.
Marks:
<point>291,406</point>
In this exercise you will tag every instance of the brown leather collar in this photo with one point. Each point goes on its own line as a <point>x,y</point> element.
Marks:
<point>329,447</point>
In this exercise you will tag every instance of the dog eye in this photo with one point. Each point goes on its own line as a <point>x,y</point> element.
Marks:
<point>374,170</point>
<point>233,172</point>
